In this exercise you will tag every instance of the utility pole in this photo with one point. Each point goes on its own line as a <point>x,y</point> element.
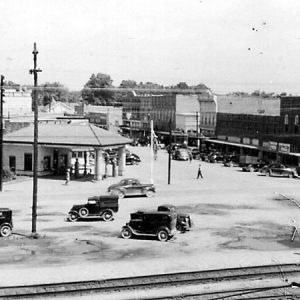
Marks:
<point>1,132</point>
<point>151,152</point>
<point>197,127</point>
<point>35,71</point>
<point>170,152</point>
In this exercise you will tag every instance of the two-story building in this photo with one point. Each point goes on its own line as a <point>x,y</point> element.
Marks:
<point>262,127</point>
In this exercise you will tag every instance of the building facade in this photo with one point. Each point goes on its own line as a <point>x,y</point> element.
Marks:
<point>264,127</point>
<point>139,110</point>
<point>16,103</point>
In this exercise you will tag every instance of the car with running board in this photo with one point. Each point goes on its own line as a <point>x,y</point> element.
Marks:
<point>102,207</point>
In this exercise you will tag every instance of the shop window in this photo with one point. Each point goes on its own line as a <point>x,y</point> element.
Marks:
<point>286,123</point>
<point>27,162</point>
<point>296,128</point>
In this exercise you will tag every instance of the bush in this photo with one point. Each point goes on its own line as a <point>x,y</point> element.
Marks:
<point>7,174</point>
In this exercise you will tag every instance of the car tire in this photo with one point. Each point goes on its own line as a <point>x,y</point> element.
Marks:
<point>73,216</point>
<point>291,175</point>
<point>83,212</point>
<point>268,174</point>
<point>121,195</point>
<point>107,215</point>
<point>126,233</point>
<point>162,235</point>
<point>149,194</point>
<point>5,230</point>
<point>251,169</point>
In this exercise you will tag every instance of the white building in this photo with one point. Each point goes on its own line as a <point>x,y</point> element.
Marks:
<point>16,103</point>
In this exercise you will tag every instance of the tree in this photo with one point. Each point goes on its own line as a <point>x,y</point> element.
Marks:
<point>182,85</point>
<point>128,84</point>
<point>54,90</point>
<point>92,92</point>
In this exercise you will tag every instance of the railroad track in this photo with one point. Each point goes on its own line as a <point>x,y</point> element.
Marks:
<point>172,281</point>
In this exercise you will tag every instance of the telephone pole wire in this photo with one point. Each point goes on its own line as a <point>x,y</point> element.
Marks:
<point>35,71</point>
<point>1,133</point>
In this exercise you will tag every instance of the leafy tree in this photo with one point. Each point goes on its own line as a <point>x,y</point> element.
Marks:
<point>128,84</point>
<point>55,89</point>
<point>150,85</point>
<point>182,85</point>
<point>92,92</point>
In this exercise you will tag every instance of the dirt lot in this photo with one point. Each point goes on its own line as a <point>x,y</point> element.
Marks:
<point>239,219</point>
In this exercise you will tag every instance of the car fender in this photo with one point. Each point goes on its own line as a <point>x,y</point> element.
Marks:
<point>164,228</point>
<point>7,224</point>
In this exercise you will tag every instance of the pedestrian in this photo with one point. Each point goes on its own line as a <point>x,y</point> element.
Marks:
<point>199,172</point>
<point>67,176</point>
<point>190,156</point>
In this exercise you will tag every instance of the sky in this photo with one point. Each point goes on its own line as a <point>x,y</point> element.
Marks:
<point>229,45</point>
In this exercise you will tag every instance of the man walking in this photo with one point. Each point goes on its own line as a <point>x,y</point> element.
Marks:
<point>199,172</point>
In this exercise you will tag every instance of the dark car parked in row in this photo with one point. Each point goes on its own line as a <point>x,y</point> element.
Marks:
<point>253,167</point>
<point>278,170</point>
<point>183,221</point>
<point>154,224</point>
<point>6,223</point>
<point>181,154</point>
<point>102,207</point>
<point>132,159</point>
<point>131,187</point>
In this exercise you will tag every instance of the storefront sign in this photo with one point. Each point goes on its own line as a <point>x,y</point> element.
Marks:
<point>221,137</point>
<point>271,146</point>
<point>246,140</point>
<point>255,142</point>
<point>234,139</point>
<point>284,148</point>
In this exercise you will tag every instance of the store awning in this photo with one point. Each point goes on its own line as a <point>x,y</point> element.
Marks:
<point>232,144</point>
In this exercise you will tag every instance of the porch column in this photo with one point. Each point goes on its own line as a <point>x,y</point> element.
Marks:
<point>99,164</point>
<point>122,160</point>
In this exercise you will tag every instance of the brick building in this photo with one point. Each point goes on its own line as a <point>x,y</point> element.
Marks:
<point>139,110</point>
<point>264,127</point>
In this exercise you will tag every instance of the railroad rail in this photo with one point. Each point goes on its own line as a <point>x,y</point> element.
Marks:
<point>285,273</point>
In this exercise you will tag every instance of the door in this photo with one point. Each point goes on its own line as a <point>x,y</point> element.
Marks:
<point>12,163</point>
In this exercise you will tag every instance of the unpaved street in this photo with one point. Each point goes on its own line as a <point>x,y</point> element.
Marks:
<point>239,219</point>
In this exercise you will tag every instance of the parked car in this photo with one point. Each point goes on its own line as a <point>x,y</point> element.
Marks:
<point>103,207</point>
<point>131,187</point>
<point>231,161</point>
<point>156,224</point>
<point>173,147</point>
<point>181,154</point>
<point>183,221</point>
<point>278,170</point>
<point>6,223</point>
<point>214,157</point>
<point>195,152</point>
<point>132,159</point>
<point>253,167</point>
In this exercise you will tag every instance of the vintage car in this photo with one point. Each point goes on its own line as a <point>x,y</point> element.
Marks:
<point>154,224</point>
<point>131,187</point>
<point>132,158</point>
<point>278,170</point>
<point>181,154</point>
<point>253,167</point>
<point>183,221</point>
<point>102,207</point>
<point>6,224</point>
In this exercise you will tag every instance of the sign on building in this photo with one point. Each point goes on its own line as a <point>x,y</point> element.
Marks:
<point>284,148</point>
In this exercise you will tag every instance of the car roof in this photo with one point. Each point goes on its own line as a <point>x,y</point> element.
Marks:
<point>153,212</point>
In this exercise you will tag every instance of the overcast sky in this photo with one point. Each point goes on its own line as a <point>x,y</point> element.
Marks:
<point>228,45</point>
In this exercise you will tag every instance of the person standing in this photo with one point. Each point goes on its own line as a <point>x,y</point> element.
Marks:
<point>190,156</point>
<point>199,172</point>
<point>67,176</point>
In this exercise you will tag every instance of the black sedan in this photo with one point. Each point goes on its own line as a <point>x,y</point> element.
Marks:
<point>131,187</point>
<point>253,167</point>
